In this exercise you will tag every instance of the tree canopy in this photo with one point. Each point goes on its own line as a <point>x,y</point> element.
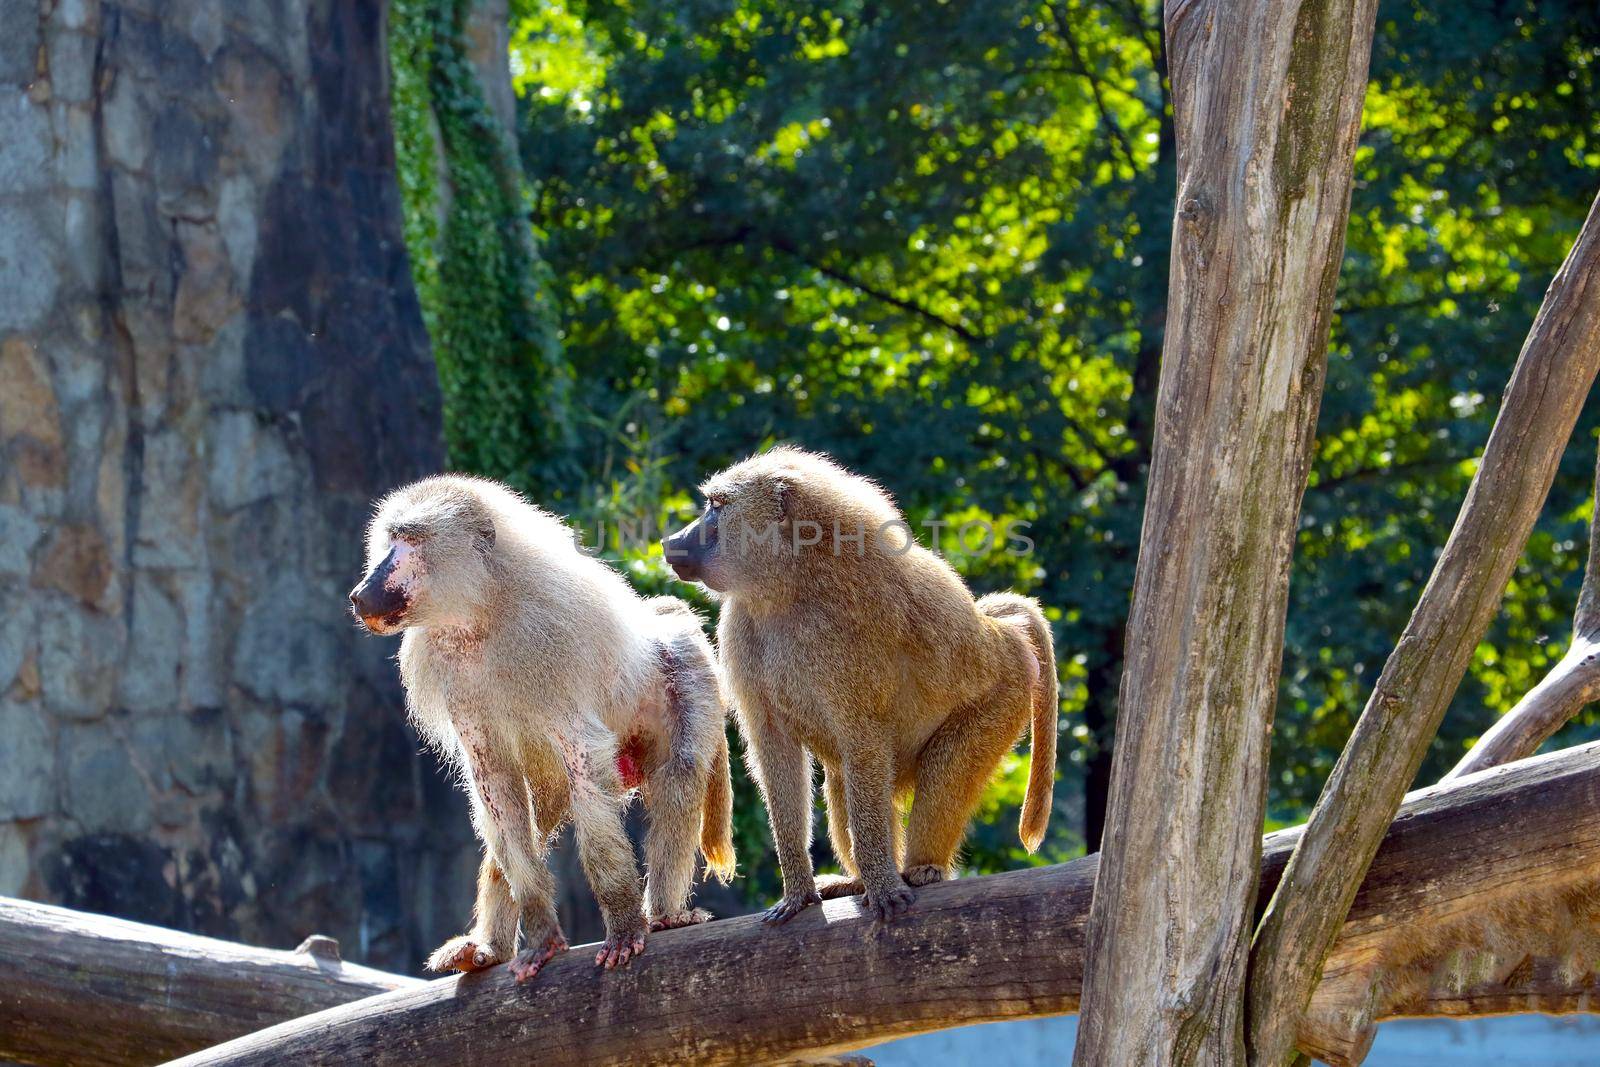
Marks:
<point>931,239</point>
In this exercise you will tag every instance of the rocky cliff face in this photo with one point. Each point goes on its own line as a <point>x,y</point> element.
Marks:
<point>211,360</point>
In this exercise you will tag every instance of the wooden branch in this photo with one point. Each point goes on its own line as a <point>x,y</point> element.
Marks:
<point>1266,108</point>
<point>78,988</point>
<point>1571,685</point>
<point>999,947</point>
<point>1547,389</point>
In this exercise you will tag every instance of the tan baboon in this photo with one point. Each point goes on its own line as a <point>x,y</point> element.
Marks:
<point>556,690</point>
<point>846,641</point>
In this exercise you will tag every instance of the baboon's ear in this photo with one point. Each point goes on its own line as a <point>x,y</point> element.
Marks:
<point>784,491</point>
<point>483,535</point>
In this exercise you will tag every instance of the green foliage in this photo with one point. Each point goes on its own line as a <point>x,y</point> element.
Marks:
<point>485,291</point>
<point>931,238</point>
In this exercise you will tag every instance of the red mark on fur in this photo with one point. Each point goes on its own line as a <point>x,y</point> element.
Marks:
<point>630,763</point>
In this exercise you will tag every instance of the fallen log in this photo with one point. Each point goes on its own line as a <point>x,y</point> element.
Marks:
<point>1474,906</point>
<point>78,988</point>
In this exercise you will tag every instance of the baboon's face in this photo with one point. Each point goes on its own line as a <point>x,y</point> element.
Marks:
<point>731,545</point>
<point>426,566</point>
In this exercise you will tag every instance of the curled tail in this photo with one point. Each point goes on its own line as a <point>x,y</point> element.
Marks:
<point>1025,614</point>
<point>716,818</point>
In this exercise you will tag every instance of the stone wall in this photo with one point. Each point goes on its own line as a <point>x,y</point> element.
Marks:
<point>211,359</point>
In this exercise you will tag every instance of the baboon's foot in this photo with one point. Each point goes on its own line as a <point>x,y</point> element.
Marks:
<point>788,907</point>
<point>834,886</point>
<point>923,874</point>
<point>531,960</point>
<point>619,948</point>
<point>692,917</point>
<point>890,902</point>
<point>465,953</point>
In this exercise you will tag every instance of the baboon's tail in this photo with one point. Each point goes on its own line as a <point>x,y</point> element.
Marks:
<point>716,818</point>
<point>1025,614</point>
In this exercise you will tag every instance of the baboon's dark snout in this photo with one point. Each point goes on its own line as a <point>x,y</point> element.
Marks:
<point>685,551</point>
<point>373,599</point>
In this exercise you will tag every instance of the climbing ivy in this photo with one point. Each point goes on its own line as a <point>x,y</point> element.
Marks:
<point>484,289</point>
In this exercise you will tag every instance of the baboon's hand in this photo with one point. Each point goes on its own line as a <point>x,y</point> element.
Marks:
<point>889,902</point>
<point>789,906</point>
<point>465,953</point>
<point>684,918</point>
<point>620,947</point>
<point>531,960</point>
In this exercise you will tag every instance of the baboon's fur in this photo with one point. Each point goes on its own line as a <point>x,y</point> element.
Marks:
<point>872,657</point>
<point>536,669</point>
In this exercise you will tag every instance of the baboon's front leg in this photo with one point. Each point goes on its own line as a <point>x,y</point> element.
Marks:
<point>603,845</point>
<point>783,769</point>
<point>503,817</point>
<point>869,805</point>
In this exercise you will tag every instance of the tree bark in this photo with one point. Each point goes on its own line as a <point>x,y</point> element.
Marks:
<point>1547,389</point>
<point>1010,945</point>
<point>1267,107</point>
<point>79,988</point>
<point>1572,684</point>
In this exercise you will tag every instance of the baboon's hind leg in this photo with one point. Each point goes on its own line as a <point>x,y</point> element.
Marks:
<point>674,796</point>
<point>848,884</point>
<point>955,766</point>
<point>830,886</point>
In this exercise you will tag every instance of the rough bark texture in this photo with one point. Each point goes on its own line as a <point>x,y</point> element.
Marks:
<point>1547,389</point>
<point>1011,945</point>
<point>1267,105</point>
<point>78,988</point>
<point>1572,683</point>
<point>1461,915</point>
<point>212,359</point>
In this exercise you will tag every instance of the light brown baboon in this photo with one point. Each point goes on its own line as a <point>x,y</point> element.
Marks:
<point>556,690</point>
<point>846,641</point>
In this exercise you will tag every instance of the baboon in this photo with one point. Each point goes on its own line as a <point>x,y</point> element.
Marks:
<point>556,690</point>
<point>844,640</point>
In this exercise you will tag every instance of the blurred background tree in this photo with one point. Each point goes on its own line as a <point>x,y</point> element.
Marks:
<point>931,239</point>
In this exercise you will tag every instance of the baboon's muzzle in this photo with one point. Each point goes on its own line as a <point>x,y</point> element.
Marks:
<point>378,605</point>
<point>686,551</point>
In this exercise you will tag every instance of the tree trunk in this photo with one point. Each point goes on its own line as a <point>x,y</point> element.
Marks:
<point>1542,402</point>
<point>79,988</point>
<point>1267,106</point>
<point>1572,684</point>
<point>1010,946</point>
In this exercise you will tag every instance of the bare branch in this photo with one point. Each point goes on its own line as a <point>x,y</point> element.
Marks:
<point>1553,374</point>
<point>1586,620</point>
<point>1572,684</point>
